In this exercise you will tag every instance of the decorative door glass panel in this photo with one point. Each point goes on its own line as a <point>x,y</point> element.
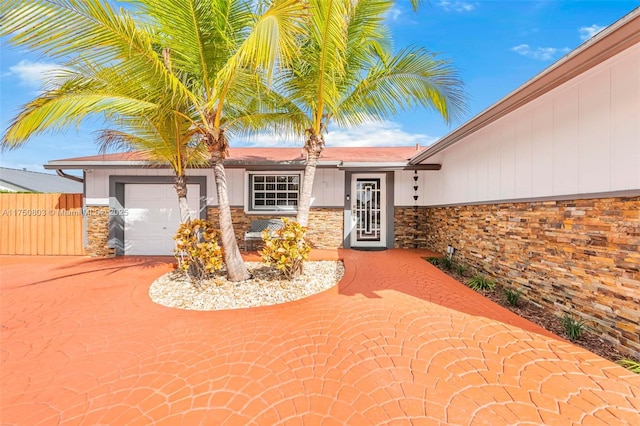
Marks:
<point>368,210</point>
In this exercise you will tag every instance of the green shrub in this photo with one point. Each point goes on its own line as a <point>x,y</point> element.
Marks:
<point>573,327</point>
<point>443,262</point>
<point>435,261</point>
<point>447,264</point>
<point>513,296</point>
<point>460,269</point>
<point>629,364</point>
<point>286,248</point>
<point>481,283</point>
<point>197,249</point>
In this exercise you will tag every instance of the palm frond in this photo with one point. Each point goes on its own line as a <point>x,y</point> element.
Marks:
<point>53,112</point>
<point>90,29</point>
<point>414,77</point>
<point>270,40</point>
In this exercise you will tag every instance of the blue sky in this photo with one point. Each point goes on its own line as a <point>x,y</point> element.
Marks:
<point>496,46</point>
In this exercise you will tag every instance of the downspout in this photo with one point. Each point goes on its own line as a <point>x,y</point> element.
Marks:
<point>64,175</point>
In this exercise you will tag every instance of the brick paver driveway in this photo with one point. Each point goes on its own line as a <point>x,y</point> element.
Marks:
<point>397,342</point>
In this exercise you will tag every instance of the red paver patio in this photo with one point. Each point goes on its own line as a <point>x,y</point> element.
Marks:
<point>397,342</point>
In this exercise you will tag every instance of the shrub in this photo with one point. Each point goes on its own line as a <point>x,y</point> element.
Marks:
<point>572,326</point>
<point>460,269</point>
<point>435,261</point>
<point>629,364</point>
<point>286,248</point>
<point>197,249</point>
<point>481,283</point>
<point>447,263</point>
<point>513,296</point>
<point>444,263</point>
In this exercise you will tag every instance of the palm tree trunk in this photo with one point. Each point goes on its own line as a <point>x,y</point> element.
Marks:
<point>236,269</point>
<point>181,190</point>
<point>313,146</point>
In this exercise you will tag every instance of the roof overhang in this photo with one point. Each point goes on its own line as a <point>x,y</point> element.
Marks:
<point>614,39</point>
<point>382,167</point>
<point>80,165</point>
<point>243,164</point>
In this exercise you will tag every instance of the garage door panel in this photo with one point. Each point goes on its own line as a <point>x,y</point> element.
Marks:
<point>144,192</point>
<point>153,216</point>
<point>161,246</point>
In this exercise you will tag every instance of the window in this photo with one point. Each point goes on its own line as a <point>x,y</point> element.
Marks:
<point>274,192</point>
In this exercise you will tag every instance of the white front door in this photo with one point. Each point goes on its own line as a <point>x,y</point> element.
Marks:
<point>368,210</point>
<point>153,217</point>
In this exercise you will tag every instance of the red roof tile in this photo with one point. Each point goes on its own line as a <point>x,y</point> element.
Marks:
<point>344,154</point>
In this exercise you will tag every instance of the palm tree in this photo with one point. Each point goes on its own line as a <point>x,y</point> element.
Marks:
<point>345,73</point>
<point>161,141</point>
<point>194,59</point>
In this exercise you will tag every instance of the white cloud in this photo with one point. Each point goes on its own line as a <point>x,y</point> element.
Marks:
<point>587,32</point>
<point>394,13</point>
<point>540,53</point>
<point>32,74</point>
<point>377,134</point>
<point>457,6</point>
<point>374,134</point>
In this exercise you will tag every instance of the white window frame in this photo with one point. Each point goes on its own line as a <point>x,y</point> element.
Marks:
<point>249,206</point>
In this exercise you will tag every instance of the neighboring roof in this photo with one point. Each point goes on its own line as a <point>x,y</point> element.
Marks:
<point>27,181</point>
<point>619,36</point>
<point>239,157</point>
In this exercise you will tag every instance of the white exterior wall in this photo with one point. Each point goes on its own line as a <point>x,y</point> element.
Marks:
<point>328,188</point>
<point>97,182</point>
<point>403,187</point>
<point>582,137</point>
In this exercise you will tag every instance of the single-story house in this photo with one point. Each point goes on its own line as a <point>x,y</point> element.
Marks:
<point>541,189</point>
<point>23,180</point>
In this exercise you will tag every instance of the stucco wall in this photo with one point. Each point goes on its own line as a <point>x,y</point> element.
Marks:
<point>582,137</point>
<point>580,256</point>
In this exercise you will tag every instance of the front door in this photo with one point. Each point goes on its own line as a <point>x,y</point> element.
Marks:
<point>368,210</point>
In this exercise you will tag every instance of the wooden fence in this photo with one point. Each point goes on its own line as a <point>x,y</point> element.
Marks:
<point>41,224</point>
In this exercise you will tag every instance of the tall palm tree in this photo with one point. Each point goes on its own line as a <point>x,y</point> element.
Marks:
<point>192,58</point>
<point>346,73</point>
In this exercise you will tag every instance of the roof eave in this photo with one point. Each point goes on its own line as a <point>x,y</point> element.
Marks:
<point>96,164</point>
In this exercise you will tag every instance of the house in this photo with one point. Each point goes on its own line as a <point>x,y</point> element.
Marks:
<point>357,197</point>
<point>23,180</point>
<point>541,190</point>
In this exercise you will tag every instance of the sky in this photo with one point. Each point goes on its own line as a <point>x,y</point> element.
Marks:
<point>496,46</point>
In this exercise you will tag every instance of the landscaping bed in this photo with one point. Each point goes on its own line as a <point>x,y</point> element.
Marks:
<point>267,286</point>
<point>550,321</point>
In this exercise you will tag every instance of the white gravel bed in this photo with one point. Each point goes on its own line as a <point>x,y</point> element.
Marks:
<point>267,287</point>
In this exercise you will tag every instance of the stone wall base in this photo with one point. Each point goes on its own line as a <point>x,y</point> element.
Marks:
<point>410,231</point>
<point>97,219</point>
<point>581,257</point>
<point>326,226</point>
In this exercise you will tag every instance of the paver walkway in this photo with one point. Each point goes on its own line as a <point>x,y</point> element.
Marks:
<point>397,342</point>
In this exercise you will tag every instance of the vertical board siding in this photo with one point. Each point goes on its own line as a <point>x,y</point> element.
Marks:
<point>41,224</point>
<point>582,137</point>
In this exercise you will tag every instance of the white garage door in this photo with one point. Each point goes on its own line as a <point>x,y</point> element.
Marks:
<point>153,217</point>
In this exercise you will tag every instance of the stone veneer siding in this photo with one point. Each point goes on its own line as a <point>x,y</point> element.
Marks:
<point>409,231</point>
<point>97,218</point>
<point>326,226</point>
<point>580,256</point>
